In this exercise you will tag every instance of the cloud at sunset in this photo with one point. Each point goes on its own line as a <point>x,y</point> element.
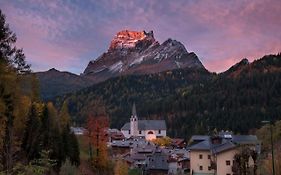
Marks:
<point>68,34</point>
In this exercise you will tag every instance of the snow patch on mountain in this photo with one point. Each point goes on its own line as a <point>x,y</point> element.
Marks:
<point>117,67</point>
<point>137,61</point>
<point>100,69</point>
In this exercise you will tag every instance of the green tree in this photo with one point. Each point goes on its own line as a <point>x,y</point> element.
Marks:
<point>40,166</point>
<point>9,54</point>
<point>68,169</point>
<point>31,143</point>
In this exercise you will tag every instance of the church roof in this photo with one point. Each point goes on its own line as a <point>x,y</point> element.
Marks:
<point>148,125</point>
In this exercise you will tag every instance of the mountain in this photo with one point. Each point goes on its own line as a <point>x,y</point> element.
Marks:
<point>191,100</point>
<point>132,52</point>
<point>237,68</point>
<point>267,64</point>
<point>53,83</point>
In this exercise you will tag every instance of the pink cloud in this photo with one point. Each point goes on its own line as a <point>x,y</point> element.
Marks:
<point>66,34</point>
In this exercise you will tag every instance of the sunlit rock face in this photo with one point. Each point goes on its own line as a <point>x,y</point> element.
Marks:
<point>132,52</point>
<point>131,39</point>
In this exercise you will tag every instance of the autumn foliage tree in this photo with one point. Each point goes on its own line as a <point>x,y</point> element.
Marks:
<point>97,133</point>
<point>165,141</point>
<point>12,107</point>
<point>28,126</point>
<point>121,168</point>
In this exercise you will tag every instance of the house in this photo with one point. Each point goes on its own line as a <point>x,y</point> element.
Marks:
<point>179,162</point>
<point>157,163</point>
<point>216,154</point>
<point>149,129</point>
<point>178,143</point>
<point>121,147</point>
<point>151,159</point>
<point>115,134</point>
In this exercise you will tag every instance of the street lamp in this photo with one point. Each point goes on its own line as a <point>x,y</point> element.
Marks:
<point>271,140</point>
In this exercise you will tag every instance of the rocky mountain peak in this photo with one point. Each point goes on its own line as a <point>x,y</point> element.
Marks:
<point>133,52</point>
<point>126,39</point>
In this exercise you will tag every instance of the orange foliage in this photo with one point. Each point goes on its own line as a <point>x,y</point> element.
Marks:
<point>97,127</point>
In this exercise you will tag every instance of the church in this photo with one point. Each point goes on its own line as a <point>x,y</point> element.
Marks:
<point>149,129</point>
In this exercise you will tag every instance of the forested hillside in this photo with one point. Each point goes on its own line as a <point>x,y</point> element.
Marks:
<point>53,83</point>
<point>148,91</point>
<point>191,101</point>
<point>35,137</point>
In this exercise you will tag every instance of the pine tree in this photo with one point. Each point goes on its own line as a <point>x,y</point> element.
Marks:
<point>9,54</point>
<point>31,142</point>
<point>7,154</point>
<point>74,154</point>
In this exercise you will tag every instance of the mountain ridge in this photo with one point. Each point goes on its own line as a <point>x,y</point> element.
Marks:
<point>129,53</point>
<point>132,52</point>
<point>54,83</point>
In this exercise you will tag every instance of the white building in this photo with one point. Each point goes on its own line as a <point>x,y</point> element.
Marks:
<point>216,155</point>
<point>149,129</point>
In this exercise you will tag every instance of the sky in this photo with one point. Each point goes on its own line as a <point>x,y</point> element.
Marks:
<point>67,34</point>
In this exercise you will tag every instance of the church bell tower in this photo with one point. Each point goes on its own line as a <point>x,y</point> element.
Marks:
<point>134,122</point>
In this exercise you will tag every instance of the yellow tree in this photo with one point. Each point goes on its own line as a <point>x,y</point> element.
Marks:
<point>267,163</point>
<point>165,141</point>
<point>121,168</point>
<point>64,116</point>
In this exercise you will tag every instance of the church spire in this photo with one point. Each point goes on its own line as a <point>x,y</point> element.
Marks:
<point>134,111</point>
<point>134,122</point>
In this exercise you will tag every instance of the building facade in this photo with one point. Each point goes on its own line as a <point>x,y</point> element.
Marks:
<point>149,129</point>
<point>215,155</point>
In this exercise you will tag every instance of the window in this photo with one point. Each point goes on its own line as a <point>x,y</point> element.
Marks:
<point>209,156</point>
<point>129,131</point>
<point>227,162</point>
<point>159,131</point>
<point>209,168</point>
<point>150,132</point>
<point>139,131</point>
<point>200,156</point>
<point>201,168</point>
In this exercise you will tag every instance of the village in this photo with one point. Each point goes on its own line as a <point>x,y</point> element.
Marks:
<point>144,145</point>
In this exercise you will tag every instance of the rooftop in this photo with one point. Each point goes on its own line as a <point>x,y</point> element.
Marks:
<point>148,125</point>
<point>222,142</point>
